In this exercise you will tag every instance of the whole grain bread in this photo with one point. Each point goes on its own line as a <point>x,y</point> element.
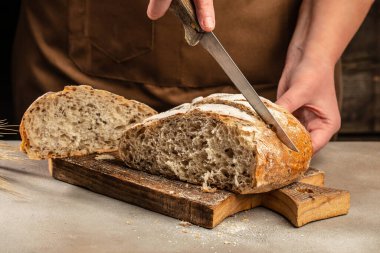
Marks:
<point>76,121</point>
<point>219,141</point>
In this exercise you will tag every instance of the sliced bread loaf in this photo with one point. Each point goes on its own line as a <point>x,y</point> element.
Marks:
<point>218,141</point>
<point>76,121</point>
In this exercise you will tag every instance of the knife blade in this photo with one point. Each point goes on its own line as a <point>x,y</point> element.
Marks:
<point>184,9</point>
<point>211,43</point>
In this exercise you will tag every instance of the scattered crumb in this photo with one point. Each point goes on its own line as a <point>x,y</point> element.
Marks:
<point>232,243</point>
<point>184,231</point>
<point>187,185</point>
<point>104,157</point>
<point>206,188</point>
<point>245,220</point>
<point>128,222</point>
<point>185,224</point>
<point>171,192</point>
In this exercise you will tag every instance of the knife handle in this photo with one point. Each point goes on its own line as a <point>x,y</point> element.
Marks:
<point>185,11</point>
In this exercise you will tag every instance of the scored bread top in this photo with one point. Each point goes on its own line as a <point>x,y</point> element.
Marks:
<point>80,113</point>
<point>272,154</point>
<point>275,164</point>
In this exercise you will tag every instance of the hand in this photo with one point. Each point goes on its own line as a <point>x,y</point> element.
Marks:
<point>307,90</point>
<point>204,9</point>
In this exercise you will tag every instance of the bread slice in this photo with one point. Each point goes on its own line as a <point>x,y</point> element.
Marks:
<point>219,141</point>
<point>76,121</point>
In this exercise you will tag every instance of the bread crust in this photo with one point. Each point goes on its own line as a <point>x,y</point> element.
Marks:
<point>275,165</point>
<point>25,142</point>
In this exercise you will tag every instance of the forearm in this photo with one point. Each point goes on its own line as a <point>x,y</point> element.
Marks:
<point>306,88</point>
<point>325,27</point>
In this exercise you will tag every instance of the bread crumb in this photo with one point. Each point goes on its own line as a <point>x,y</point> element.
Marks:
<point>206,188</point>
<point>228,242</point>
<point>184,224</point>
<point>104,157</point>
<point>171,192</point>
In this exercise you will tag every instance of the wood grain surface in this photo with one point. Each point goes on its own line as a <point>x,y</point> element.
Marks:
<point>301,202</point>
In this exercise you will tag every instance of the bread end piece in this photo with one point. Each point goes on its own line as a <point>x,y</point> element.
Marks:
<point>76,121</point>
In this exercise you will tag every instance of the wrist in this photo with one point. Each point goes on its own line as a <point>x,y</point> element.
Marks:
<point>319,54</point>
<point>297,55</point>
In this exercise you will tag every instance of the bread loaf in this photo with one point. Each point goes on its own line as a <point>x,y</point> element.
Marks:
<point>218,141</point>
<point>76,121</point>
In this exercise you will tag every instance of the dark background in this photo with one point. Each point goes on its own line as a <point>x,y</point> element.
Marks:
<point>8,21</point>
<point>361,75</point>
<point>361,81</point>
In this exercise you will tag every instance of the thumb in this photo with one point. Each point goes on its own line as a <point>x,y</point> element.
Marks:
<point>320,138</point>
<point>291,100</point>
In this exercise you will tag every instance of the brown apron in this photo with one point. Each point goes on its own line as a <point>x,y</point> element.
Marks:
<point>112,45</point>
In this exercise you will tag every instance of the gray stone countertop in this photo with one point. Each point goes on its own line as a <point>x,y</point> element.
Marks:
<point>40,214</point>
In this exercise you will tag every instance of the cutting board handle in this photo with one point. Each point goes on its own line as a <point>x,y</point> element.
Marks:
<point>185,11</point>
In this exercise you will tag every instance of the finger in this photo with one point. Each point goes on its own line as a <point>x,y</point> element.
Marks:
<point>291,100</point>
<point>205,14</point>
<point>320,137</point>
<point>157,8</point>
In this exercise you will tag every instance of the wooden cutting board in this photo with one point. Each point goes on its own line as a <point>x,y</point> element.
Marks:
<point>301,202</point>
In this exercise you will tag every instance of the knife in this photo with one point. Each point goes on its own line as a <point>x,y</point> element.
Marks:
<point>185,11</point>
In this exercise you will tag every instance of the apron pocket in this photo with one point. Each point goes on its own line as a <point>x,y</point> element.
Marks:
<point>105,35</point>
